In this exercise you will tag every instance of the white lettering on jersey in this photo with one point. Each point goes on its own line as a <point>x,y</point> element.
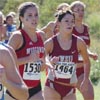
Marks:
<point>39,49</point>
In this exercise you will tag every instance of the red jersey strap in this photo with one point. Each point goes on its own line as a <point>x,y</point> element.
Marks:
<point>84,35</point>
<point>84,32</point>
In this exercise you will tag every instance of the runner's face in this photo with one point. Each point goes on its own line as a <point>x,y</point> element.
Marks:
<point>67,23</point>
<point>30,19</point>
<point>79,12</point>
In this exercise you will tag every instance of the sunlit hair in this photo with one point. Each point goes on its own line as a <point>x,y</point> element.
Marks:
<point>61,7</point>
<point>75,3</point>
<point>7,17</point>
<point>63,12</point>
<point>12,13</point>
<point>1,15</point>
<point>22,9</point>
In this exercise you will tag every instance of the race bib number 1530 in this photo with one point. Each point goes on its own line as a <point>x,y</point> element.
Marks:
<point>32,71</point>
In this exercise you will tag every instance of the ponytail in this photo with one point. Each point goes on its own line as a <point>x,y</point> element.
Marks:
<point>20,25</point>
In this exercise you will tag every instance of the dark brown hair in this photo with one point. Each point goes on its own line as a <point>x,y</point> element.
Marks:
<point>22,9</point>
<point>63,12</point>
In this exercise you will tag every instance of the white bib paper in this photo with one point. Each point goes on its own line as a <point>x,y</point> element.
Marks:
<point>32,71</point>
<point>64,69</point>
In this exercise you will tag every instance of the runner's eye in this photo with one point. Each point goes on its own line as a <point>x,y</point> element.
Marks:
<point>66,21</point>
<point>36,14</point>
<point>30,15</point>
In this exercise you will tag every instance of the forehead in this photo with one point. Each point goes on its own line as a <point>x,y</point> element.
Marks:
<point>78,6</point>
<point>68,16</point>
<point>31,10</point>
<point>9,18</point>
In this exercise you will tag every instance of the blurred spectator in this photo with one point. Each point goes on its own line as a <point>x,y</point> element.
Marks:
<point>2,26</point>
<point>11,27</point>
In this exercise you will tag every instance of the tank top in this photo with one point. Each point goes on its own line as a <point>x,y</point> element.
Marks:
<point>10,29</point>
<point>65,71</point>
<point>85,35</point>
<point>30,71</point>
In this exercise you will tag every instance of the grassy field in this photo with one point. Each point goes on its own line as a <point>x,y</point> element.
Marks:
<point>79,96</point>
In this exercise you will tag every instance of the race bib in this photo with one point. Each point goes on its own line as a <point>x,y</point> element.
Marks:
<point>1,92</point>
<point>64,69</point>
<point>32,71</point>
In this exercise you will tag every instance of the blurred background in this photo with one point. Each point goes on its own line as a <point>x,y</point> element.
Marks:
<point>47,9</point>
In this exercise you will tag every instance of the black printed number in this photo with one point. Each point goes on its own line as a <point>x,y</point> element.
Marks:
<point>32,68</point>
<point>64,69</point>
<point>1,87</point>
